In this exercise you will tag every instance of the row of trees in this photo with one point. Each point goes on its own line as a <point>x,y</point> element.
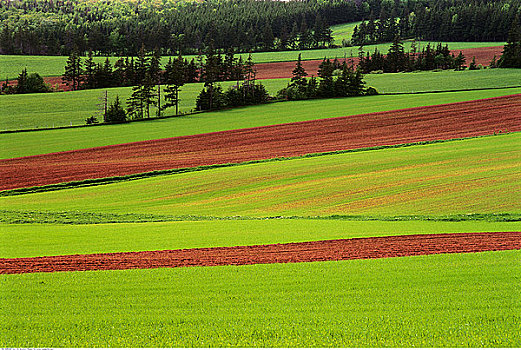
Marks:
<point>347,82</point>
<point>438,20</point>
<point>113,27</point>
<point>25,84</point>
<point>398,60</point>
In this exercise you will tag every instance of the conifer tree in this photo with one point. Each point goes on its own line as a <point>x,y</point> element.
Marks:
<point>73,71</point>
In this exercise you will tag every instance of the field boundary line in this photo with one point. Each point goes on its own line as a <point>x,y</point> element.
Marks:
<point>88,218</point>
<point>155,173</point>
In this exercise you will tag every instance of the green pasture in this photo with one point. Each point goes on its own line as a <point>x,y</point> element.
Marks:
<point>342,32</point>
<point>47,141</point>
<point>447,300</point>
<point>444,80</point>
<point>12,65</point>
<point>29,240</point>
<point>35,111</point>
<point>479,175</point>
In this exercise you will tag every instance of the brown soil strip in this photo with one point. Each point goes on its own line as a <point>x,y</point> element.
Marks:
<point>342,249</point>
<point>464,119</point>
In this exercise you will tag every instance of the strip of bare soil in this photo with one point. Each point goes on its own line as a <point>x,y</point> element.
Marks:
<point>342,249</point>
<point>464,119</point>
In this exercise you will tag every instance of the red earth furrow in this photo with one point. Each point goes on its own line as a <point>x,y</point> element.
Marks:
<point>464,119</point>
<point>342,249</point>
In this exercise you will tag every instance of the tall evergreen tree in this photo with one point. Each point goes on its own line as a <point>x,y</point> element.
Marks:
<point>73,71</point>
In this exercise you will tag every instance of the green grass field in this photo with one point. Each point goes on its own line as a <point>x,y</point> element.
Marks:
<point>25,144</point>
<point>40,240</point>
<point>342,32</point>
<point>478,175</point>
<point>72,108</point>
<point>33,111</point>
<point>12,65</point>
<point>448,300</point>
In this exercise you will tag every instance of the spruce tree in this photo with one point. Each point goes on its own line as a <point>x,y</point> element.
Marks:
<point>299,74</point>
<point>175,79</point>
<point>73,71</point>
<point>21,85</point>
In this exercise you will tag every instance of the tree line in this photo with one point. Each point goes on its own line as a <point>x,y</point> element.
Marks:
<point>120,28</point>
<point>438,20</point>
<point>398,60</point>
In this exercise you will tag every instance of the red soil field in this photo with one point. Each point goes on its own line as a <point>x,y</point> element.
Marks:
<point>463,119</point>
<point>342,249</point>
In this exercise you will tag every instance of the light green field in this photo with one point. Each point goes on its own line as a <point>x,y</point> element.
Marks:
<point>25,144</point>
<point>343,32</point>
<point>40,240</point>
<point>33,111</point>
<point>72,108</point>
<point>12,65</point>
<point>444,80</point>
<point>478,175</point>
<point>448,300</point>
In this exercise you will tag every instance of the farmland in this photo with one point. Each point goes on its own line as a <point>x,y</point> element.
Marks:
<point>63,109</point>
<point>26,144</point>
<point>385,302</point>
<point>429,179</point>
<point>389,220</point>
<point>61,239</point>
<point>12,65</point>
<point>288,140</point>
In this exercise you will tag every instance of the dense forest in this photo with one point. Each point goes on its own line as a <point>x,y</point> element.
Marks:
<point>439,20</point>
<point>121,27</point>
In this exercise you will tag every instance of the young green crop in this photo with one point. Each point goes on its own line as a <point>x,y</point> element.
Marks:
<point>40,240</point>
<point>447,300</point>
<point>478,175</point>
<point>31,143</point>
<point>72,108</point>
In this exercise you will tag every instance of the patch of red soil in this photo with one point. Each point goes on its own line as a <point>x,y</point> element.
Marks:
<point>279,70</point>
<point>342,249</point>
<point>463,119</point>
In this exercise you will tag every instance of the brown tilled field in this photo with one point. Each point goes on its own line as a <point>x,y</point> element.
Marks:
<point>464,119</point>
<point>342,249</point>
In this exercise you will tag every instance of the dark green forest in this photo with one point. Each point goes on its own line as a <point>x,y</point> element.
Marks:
<point>439,20</point>
<point>121,27</point>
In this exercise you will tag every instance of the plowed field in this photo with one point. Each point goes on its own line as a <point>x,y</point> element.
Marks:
<point>482,117</point>
<point>343,249</point>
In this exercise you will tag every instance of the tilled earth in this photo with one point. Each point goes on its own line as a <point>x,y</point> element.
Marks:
<point>463,119</point>
<point>342,249</point>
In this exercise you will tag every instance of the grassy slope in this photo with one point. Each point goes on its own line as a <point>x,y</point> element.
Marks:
<point>24,144</point>
<point>39,111</point>
<point>343,32</point>
<point>39,240</point>
<point>472,176</point>
<point>12,65</point>
<point>452,300</point>
<point>34,111</point>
